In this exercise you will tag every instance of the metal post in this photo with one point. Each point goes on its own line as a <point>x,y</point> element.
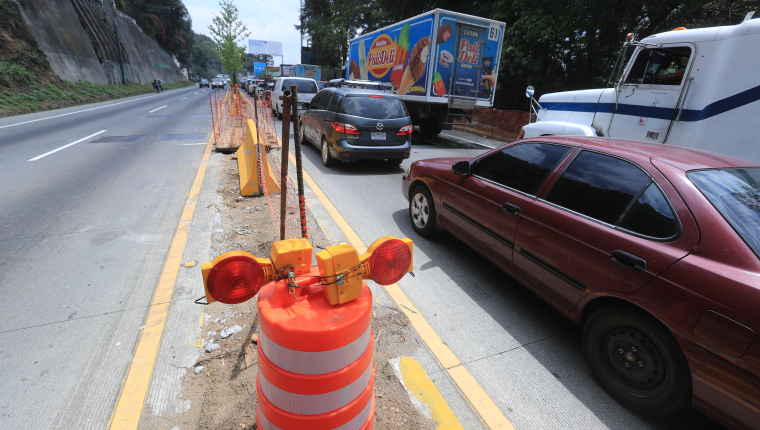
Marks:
<point>299,165</point>
<point>118,45</point>
<point>284,171</point>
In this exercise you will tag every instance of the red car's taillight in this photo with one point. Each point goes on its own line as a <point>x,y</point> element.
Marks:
<point>345,128</point>
<point>406,130</point>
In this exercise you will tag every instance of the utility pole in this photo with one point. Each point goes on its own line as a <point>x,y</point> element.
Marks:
<point>300,17</point>
<point>118,44</point>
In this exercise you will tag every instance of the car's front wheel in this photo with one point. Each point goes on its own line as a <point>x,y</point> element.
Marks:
<point>637,361</point>
<point>422,211</point>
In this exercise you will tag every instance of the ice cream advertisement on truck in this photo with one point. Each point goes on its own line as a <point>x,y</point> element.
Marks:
<point>431,56</point>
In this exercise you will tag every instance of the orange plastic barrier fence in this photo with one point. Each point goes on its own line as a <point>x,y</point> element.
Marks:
<point>315,360</point>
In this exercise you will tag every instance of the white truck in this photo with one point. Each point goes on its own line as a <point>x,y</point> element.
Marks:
<point>696,88</point>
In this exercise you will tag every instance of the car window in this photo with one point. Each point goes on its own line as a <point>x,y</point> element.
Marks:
<point>651,215</point>
<point>598,186</point>
<point>377,107</point>
<point>735,193</point>
<point>325,100</point>
<point>522,167</point>
<point>314,103</point>
<point>304,85</point>
<point>335,103</point>
<point>662,66</point>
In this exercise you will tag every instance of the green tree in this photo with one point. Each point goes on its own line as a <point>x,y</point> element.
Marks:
<point>228,30</point>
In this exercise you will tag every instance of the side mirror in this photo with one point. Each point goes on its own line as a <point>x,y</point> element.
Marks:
<point>530,91</point>
<point>461,168</point>
<point>306,106</point>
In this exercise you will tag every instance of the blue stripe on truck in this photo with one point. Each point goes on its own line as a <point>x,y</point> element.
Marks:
<point>716,108</point>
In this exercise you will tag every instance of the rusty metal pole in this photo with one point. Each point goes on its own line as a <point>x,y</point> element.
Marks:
<point>299,165</point>
<point>284,171</point>
<point>255,105</point>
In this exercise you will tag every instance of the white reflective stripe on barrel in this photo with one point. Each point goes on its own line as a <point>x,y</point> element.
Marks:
<point>314,363</point>
<point>355,424</point>
<point>315,404</point>
<point>264,424</point>
<point>360,419</point>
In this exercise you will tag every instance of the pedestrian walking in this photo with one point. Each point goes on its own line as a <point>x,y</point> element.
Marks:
<point>160,86</point>
<point>155,85</point>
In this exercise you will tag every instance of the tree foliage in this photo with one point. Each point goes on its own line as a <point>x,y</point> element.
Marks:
<point>227,30</point>
<point>554,45</point>
<point>205,58</point>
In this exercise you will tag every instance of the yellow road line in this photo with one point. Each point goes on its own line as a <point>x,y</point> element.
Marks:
<point>418,382</point>
<point>481,403</point>
<point>129,405</point>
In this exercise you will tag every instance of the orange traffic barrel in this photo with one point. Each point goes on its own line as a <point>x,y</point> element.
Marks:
<point>315,360</point>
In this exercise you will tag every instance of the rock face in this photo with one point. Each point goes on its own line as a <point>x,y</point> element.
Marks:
<point>79,41</point>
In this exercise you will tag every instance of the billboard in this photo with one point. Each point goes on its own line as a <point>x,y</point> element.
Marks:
<point>258,68</point>
<point>266,47</point>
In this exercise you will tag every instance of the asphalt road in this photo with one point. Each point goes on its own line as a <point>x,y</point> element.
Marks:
<point>85,225</point>
<point>525,355</point>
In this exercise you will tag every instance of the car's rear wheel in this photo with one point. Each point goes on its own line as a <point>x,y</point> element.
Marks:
<point>637,361</point>
<point>327,159</point>
<point>279,114</point>
<point>422,211</point>
<point>395,161</point>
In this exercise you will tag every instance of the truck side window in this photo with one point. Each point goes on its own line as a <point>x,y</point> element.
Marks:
<point>661,66</point>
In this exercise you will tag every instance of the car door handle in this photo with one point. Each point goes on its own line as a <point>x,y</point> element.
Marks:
<point>511,209</point>
<point>628,261</point>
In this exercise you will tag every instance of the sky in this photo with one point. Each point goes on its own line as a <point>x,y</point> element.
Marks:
<point>266,20</point>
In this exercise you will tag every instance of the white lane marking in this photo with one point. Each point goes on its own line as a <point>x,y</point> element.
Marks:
<point>183,98</point>
<point>199,143</point>
<point>158,108</point>
<point>471,141</point>
<point>79,111</point>
<point>197,93</point>
<point>65,146</point>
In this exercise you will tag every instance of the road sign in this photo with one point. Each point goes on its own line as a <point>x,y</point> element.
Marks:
<point>155,9</point>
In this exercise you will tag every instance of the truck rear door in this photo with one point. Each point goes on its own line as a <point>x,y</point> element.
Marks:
<point>469,61</point>
<point>649,96</point>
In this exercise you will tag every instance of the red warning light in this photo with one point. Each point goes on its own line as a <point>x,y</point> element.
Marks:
<point>235,279</point>
<point>390,261</point>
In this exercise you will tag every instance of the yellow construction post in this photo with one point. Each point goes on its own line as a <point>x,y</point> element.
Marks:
<point>248,168</point>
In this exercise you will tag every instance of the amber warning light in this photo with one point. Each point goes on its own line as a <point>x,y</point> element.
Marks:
<point>237,276</point>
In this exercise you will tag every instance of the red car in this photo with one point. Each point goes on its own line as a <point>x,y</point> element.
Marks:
<point>653,249</point>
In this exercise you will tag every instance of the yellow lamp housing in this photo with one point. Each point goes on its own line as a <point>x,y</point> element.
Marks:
<point>235,277</point>
<point>295,253</point>
<point>342,270</point>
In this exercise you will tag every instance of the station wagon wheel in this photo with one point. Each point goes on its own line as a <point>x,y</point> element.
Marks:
<point>327,159</point>
<point>395,161</point>
<point>422,211</point>
<point>637,361</point>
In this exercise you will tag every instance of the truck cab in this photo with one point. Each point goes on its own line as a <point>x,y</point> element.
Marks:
<point>696,88</point>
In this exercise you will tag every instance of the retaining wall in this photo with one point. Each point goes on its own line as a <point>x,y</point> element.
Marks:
<point>78,38</point>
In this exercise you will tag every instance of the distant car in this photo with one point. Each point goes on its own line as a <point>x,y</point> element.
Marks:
<point>351,124</point>
<point>203,83</point>
<point>307,89</point>
<point>653,249</point>
<point>218,83</point>
<point>322,84</point>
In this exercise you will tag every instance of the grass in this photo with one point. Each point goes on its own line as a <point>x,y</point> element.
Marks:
<point>21,92</point>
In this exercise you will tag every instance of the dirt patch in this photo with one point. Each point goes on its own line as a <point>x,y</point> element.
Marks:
<point>222,394</point>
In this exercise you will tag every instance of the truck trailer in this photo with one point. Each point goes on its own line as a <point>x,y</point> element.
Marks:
<point>696,88</point>
<point>441,63</point>
<point>301,71</point>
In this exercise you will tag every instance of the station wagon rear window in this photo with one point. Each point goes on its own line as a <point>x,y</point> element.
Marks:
<point>735,193</point>
<point>304,86</point>
<point>375,108</point>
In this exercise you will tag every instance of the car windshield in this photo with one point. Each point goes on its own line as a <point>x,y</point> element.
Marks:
<point>304,85</point>
<point>735,192</point>
<point>374,107</point>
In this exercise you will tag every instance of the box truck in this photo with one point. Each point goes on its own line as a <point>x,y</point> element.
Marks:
<point>301,71</point>
<point>441,63</point>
